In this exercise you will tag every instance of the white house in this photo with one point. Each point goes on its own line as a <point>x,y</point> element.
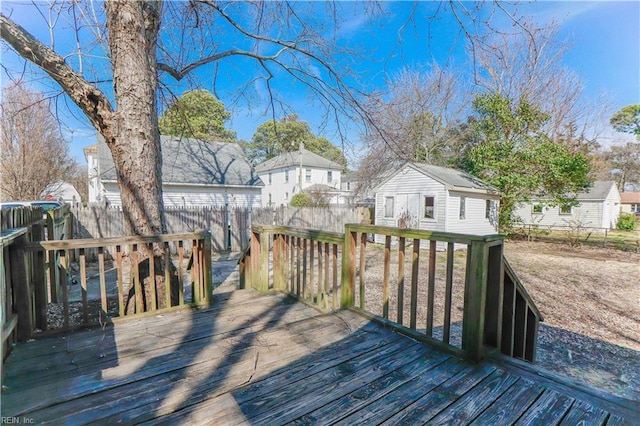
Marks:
<point>61,191</point>
<point>299,171</point>
<point>423,196</point>
<point>598,207</point>
<point>194,173</point>
<point>630,202</point>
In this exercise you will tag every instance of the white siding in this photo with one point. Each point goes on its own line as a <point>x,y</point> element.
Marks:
<point>588,213</point>
<point>475,220</point>
<point>282,191</point>
<point>410,182</point>
<point>190,196</point>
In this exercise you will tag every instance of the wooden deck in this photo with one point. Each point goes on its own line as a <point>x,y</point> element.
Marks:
<point>268,360</point>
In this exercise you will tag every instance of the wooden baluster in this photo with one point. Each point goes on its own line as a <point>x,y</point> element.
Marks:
<point>431,287</point>
<point>348,268</point>
<point>103,281</point>
<point>152,277</point>
<point>474,300</point>
<point>181,274</point>
<point>83,286</point>
<point>167,276</point>
<point>313,290</point>
<point>385,277</point>
<point>446,334</point>
<point>326,275</point>
<point>363,248</point>
<point>305,290</point>
<point>414,283</point>
<point>120,280</point>
<point>401,260</point>
<point>321,294</point>
<point>63,286</point>
<point>335,277</point>
<point>135,258</point>
<point>298,267</point>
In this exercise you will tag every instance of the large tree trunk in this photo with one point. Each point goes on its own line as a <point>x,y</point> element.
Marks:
<point>135,145</point>
<point>135,139</point>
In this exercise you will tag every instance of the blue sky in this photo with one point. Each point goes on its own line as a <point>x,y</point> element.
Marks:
<point>605,53</point>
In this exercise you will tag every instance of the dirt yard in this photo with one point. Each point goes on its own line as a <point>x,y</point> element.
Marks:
<point>590,300</point>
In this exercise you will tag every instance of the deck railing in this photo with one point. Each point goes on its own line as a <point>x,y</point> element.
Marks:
<point>464,301</point>
<point>96,298</point>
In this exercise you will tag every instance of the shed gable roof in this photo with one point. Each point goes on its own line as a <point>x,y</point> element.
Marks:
<point>451,178</point>
<point>599,191</point>
<point>194,162</point>
<point>295,158</point>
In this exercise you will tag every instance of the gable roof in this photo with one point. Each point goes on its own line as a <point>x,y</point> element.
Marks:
<point>598,191</point>
<point>630,197</point>
<point>193,162</point>
<point>320,187</point>
<point>453,179</point>
<point>294,158</point>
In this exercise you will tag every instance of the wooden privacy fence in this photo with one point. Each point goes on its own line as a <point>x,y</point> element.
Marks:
<point>229,227</point>
<point>464,301</point>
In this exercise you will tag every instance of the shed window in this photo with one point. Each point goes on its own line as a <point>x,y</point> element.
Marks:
<point>536,209</point>
<point>487,209</point>
<point>463,206</point>
<point>429,207</point>
<point>286,176</point>
<point>329,176</point>
<point>566,209</point>
<point>388,206</point>
<point>635,208</point>
<point>307,175</point>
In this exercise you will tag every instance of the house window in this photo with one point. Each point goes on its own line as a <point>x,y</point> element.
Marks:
<point>566,209</point>
<point>286,195</point>
<point>536,209</point>
<point>429,207</point>
<point>635,208</point>
<point>388,206</point>
<point>487,209</point>
<point>307,175</point>
<point>269,198</point>
<point>348,186</point>
<point>286,176</point>
<point>270,179</point>
<point>329,176</point>
<point>463,206</point>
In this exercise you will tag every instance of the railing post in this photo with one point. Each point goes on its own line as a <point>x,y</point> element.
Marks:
<point>39,279</point>
<point>495,296</point>
<point>21,290</point>
<point>475,300</point>
<point>348,268</point>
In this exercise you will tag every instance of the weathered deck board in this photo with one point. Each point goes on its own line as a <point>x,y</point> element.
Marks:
<point>266,360</point>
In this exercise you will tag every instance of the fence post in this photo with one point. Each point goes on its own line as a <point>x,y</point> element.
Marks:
<point>475,300</point>
<point>347,299</point>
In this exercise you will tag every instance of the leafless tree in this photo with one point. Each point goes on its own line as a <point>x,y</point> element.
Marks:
<point>418,119</point>
<point>34,153</point>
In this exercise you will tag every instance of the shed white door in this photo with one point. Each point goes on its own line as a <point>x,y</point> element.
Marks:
<point>408,211</point>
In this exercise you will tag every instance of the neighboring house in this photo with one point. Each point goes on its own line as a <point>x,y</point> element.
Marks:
<point>630,202</point>
<point>299,171</point>
<point>598,207</point>
<point>427,197</point>
<point>194,173</point>
<point>61,191</point>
